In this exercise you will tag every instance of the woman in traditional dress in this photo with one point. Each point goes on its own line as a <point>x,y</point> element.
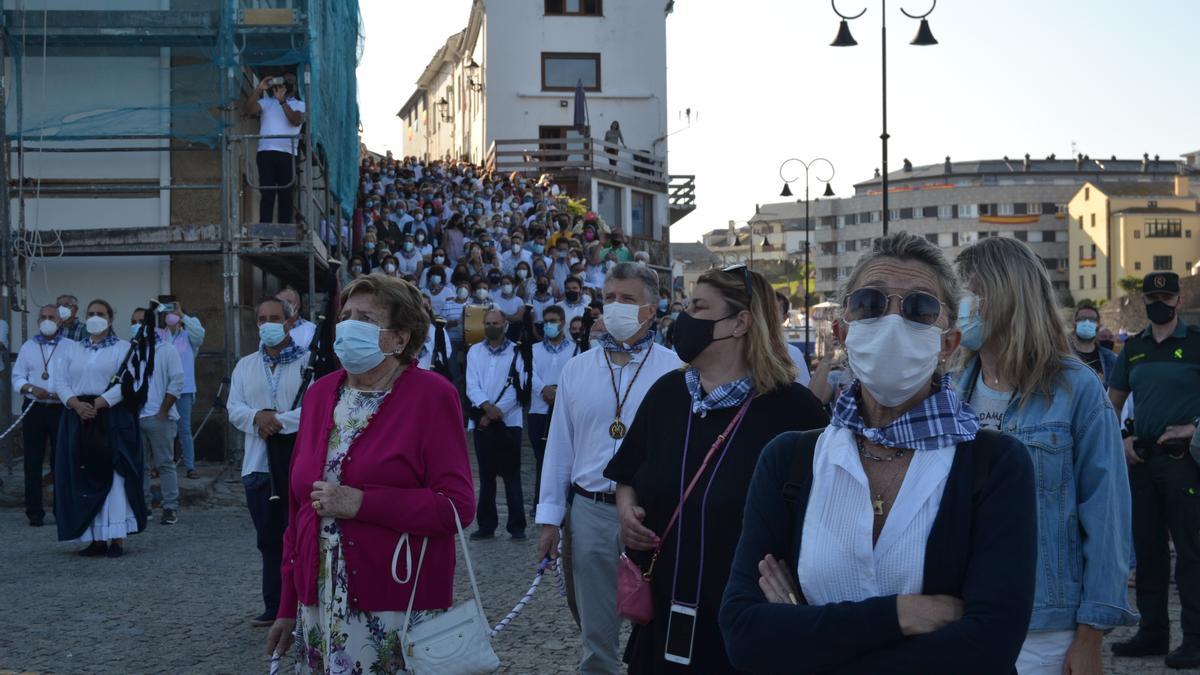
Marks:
<point>98,496</point>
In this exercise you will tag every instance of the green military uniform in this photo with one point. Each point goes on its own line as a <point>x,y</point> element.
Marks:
<point>1164,379</point>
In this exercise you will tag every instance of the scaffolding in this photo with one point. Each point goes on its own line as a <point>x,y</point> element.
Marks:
<point>214,51</point>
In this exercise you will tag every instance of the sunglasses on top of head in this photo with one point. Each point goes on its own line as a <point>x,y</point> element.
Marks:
<point>872,303</point>
<point>744,271</point>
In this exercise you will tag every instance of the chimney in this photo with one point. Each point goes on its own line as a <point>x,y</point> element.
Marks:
<point>947,165</point>
<point>1182,185</point>
<point>1028,163</point>
<point>907,165</point>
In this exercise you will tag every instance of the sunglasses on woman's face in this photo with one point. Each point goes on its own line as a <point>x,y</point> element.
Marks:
<point>872,303</point>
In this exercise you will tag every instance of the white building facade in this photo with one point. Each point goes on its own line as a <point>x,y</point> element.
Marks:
<point>502,93</point>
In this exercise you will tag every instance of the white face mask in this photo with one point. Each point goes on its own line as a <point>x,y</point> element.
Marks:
<point>462,293</point>
<point>64,313</point>
<point>48,328</point>
<point>506,289</point>
<point>891,357</point>
<point>96,325</point>
<point>621,320</point>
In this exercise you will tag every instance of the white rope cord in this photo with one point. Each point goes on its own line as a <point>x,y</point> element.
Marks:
<point>16,422</point>
<point>537,579</point>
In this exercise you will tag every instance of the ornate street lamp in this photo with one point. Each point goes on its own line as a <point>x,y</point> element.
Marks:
<point>787,192</point>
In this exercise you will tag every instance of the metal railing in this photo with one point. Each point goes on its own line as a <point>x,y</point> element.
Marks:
<point>681,192</point>
<point>559,155</point>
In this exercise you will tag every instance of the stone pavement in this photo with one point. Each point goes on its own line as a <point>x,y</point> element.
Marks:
<point>180,600</point>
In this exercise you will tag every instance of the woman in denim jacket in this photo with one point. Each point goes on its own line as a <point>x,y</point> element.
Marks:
<point>1018,372</point>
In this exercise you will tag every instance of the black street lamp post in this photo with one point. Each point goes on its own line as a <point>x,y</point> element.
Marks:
<point>924,38</point>
<point>787,192</point>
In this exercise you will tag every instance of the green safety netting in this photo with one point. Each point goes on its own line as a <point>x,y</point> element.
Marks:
<point>207,49</point>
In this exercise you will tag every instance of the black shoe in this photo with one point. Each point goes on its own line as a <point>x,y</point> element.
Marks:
<point>518,536</point>
<point>115,551</point>
<point>263,620</point>
<point>37,521</point>
<point>1187,655</point>
<point>169,517</point>
<point>1143,644</point>
<point>94,549</point>
<point>480,535</point>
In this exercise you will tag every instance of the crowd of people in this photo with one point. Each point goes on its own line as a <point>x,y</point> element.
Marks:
<point>966,493</point>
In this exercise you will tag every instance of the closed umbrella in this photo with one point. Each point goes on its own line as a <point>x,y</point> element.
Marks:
<point>581,112</point>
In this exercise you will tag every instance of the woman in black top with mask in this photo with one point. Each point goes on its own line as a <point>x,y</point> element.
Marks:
<point>739,383</point>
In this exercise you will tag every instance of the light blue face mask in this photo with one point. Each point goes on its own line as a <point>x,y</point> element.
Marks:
<point>970,323</point>
<point>552,330</point>
<point>1085,329</point>
<point>271,334</point>
<point>357,346</point>
<point>135,330</point>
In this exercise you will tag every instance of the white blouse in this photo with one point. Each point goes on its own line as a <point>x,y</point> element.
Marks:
<point>84,372</point>
<point>837,560</point>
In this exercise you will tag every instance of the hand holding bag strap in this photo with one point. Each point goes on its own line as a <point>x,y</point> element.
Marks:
<point>737,419</point>
<point>421,559</point>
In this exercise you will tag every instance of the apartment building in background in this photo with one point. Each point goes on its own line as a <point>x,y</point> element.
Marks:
<point>1127,230</point>
<point>952,204</point>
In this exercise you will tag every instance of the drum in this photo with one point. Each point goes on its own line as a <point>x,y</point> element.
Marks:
<point>473,323</point>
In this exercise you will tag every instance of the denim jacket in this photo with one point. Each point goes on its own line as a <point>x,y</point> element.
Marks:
<point>1084,537</point>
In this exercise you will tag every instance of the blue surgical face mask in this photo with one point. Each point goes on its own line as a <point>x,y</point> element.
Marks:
<point>1085,329</point>
<point>552,330</point>
<point>663,303</point>
<point>135,330</point>
<point>271,334</point>
<point>357,346</point>
<point>970,323</point>
<point>435,280</point>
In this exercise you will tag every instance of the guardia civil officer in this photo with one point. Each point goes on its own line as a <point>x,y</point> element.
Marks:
<point>1160,366</point>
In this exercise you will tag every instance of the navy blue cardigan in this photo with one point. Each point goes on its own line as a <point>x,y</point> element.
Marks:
<point>982,548</point>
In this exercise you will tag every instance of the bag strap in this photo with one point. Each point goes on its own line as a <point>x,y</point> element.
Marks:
<point>699,472</point>
<point>420,561</point>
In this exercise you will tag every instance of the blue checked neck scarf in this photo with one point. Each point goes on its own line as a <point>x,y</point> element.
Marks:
<point>497,351</point>
<point>611,345</point>
<point>728,395</point>
<point>110,340</point>
<point>553,348</point>
<point>48,341</point>
<point>941,419</point>
<point>287,355</point>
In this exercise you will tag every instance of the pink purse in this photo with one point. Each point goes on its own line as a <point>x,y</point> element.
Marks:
<point>633,585</point>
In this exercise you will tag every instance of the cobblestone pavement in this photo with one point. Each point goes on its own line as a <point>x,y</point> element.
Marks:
<point>180,601</point>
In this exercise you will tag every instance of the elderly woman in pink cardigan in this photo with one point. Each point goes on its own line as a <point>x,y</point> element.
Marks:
<point>380,461</point>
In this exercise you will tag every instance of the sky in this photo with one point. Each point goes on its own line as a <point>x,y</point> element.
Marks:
<point>1007,77</point>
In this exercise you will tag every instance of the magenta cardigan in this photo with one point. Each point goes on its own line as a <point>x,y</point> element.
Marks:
<point>409,462</point>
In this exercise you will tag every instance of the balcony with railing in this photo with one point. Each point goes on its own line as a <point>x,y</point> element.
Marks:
<point>578,155</point>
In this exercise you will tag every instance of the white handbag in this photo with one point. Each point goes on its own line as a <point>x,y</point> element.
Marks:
<point>455,642</point>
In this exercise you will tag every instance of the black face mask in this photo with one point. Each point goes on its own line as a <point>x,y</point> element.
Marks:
<point>1107,344</point>
<point>572,296</point>
<point>692,336</point>
<point>1160,312</point>
<point>493,333</point>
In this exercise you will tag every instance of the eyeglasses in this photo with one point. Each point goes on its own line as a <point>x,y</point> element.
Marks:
<point>734,269</point>
<point>916,306</point>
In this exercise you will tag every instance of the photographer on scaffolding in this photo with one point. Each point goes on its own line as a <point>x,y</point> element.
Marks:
<point>282,115</point>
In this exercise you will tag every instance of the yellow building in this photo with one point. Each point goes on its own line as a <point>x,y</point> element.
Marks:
<point>1120,230</point>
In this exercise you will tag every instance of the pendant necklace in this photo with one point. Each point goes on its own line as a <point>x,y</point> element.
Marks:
<point>617,429</point>
<point>46,360</point>
<point>877,503</point>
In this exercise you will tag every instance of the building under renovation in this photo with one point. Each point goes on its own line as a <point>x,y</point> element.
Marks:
<point>132,172</point>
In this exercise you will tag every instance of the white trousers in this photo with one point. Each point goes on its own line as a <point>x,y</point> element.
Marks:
<point>1043,653</point>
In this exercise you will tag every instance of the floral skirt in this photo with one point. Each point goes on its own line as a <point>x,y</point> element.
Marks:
<point>332,639</point>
